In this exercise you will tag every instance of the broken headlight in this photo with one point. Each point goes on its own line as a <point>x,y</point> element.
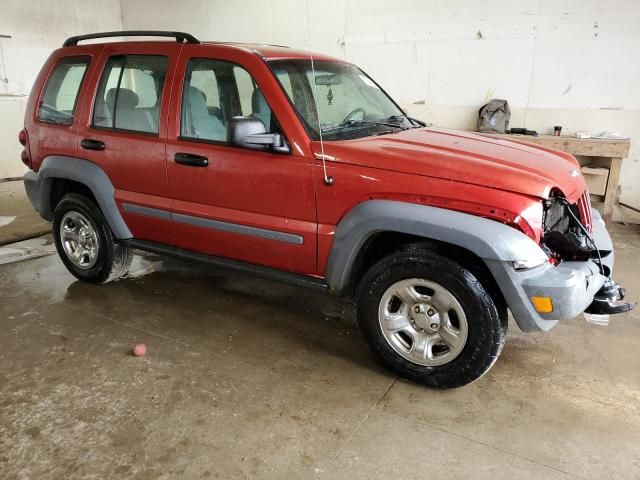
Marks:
<point>564,237</point>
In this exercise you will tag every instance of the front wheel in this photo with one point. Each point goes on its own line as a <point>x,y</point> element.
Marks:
<point>429,318</point>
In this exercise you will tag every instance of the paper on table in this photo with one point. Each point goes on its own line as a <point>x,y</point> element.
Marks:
<point>610,135</point>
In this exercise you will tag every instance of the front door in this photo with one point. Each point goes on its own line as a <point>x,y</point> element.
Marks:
<point>256,206</point>
<point>125,132</point>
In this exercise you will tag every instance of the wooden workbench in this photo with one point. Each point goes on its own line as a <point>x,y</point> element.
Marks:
<point>593,152</point>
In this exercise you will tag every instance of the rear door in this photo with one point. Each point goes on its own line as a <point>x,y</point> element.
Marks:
<point>125,129</point>
<point>255,206</point>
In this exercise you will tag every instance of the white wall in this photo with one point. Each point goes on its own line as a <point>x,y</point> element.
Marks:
<point>558,62</point>
<point>37,27</point>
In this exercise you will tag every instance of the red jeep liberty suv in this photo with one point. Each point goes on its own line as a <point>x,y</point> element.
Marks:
<point>301,167</point>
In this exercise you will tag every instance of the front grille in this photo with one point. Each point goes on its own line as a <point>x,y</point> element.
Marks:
<point>584,208</point>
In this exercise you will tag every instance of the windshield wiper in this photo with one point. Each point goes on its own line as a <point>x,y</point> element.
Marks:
<point>395,118</point>
<point>383,122</point>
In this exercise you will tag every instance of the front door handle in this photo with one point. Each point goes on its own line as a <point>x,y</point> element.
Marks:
<point>191,160</point>
<point>91,144</point>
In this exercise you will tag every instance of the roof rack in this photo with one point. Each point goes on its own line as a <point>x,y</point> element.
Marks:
<point>180,37</point>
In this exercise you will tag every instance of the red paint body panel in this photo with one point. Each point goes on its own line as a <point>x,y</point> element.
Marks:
<point>135,162</point>
<point>494,178</point>
<point>355,184</point>
<point>46,138</point>
<point>466,158</point>
<point>258,189</point>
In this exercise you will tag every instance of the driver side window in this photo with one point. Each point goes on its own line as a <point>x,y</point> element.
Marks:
<point>214,92</point>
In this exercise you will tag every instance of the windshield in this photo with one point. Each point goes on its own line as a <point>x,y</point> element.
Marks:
<point>350,104</point>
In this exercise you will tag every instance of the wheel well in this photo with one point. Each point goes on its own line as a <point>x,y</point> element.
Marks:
<point>62,186</point>
<point>381,244</point>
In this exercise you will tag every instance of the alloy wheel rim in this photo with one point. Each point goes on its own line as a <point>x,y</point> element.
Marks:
<point>79,240</point>
<point>423,322</point>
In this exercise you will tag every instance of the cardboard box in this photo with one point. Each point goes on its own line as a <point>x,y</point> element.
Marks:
<point>596,179</point>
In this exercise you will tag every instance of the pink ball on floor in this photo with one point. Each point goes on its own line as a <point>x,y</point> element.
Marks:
<point>139,350</point>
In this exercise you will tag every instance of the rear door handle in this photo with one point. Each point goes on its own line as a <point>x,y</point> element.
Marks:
<point>191,160</point>
<point>91,144</point>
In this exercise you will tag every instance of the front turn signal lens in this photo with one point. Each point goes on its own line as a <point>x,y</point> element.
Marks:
<point>542,304</point>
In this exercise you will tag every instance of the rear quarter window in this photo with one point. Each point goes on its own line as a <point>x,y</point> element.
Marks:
<point>60,95</point>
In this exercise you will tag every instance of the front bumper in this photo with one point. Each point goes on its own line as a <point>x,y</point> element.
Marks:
<point>571,285</point>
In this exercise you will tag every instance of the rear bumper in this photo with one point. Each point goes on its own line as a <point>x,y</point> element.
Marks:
<point>30,180</point>
<point>570,285</point>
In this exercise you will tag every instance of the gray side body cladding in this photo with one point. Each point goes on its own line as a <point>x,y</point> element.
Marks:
<point>571,285</point>
<point>496,244</point>
<point>488,239</point>
<point>38,187</point>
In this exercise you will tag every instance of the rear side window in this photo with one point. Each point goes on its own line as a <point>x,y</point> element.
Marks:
<point>58,101</point>
<point>130,93</point>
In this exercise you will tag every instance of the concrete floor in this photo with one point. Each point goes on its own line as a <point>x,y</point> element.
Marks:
<point>247,378</point>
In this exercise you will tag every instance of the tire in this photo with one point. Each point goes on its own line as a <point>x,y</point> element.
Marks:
<point>439,299</point>
<point>85,243</point>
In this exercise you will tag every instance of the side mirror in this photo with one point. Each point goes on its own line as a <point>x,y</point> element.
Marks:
<point>250,132</point>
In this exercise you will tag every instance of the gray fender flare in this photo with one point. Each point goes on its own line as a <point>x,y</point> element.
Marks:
<point>488,239</point>
<point>90,175</point>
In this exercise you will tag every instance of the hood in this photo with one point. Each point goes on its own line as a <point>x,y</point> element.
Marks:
<point>485,160</point>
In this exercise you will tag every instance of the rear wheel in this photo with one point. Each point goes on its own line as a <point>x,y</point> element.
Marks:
<point>85,243</point>
<point>429,318</point>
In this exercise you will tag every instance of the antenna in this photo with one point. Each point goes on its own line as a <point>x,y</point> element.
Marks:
<point>327,179</point>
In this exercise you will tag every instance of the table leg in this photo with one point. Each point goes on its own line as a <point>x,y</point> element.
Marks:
<point>612,187</point>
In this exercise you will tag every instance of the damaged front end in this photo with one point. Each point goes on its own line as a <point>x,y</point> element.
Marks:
<point>571,235</point>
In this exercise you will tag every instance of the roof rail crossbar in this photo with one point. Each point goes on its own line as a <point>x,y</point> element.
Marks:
<point>180,37</point>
